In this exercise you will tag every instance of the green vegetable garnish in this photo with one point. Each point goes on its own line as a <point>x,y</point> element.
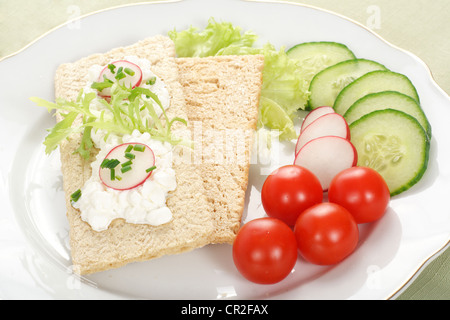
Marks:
<point>129,72</point>
<point>129,148</point>
<point>120,75</point>
<point>129,155</point>
<point>283,78</point>
<point>121,115</point>
<point>151,81</point>
<point>110,163</point>
<point>125,164</point>
<point>150,169</point>
<point>125,169</point>
<point>74,197</point>
<point>139,148</point>
<point>111,67</point>
<point>102,85</point>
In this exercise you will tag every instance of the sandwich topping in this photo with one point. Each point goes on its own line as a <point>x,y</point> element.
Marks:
<point>122,110</point>
<point>144,203</point>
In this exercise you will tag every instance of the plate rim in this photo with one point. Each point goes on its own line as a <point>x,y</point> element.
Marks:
<point>433,255</point>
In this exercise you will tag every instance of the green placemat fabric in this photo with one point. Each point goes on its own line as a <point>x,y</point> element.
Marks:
<point>418,26</point>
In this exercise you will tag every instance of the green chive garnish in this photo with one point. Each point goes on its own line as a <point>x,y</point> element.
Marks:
<point>111,67</point>
<point>75,196</point>
<point>150,169</point>
<point>129,148</point>
<point>109,163</point>
<point>126,164</point>
<point>104,163</point>
<point>113,174</point>
<point>129,71</point>
<point>125,169</point>
<point>129,155</point>
<point>151,81</point>
<point>120,76</point>
<point>139,147</point>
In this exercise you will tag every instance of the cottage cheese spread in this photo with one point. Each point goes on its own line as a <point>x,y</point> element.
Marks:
<point>145,204</point>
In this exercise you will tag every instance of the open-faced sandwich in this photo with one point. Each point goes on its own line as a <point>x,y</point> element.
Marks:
<point>145,153</point>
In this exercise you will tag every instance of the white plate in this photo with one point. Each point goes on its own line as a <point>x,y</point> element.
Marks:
<point>34,253</point>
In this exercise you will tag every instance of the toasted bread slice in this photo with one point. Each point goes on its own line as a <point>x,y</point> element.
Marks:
<point>222,98</point>
<point>218,94</point>
<point>123,242</point>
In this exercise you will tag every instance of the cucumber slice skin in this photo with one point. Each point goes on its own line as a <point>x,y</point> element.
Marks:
<point>372,82</point>
<point>333,51</point>
<point>325,87</point>
<point>388,100</point>
<point>415,144</point>
<point>308,49</point>
<point>317,56</point>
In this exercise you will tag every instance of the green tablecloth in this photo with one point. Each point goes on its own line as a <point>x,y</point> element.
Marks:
<point>419,26</point>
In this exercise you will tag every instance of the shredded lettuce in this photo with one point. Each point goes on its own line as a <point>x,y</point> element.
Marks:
<point>124,109</point>
<point>284,80</point>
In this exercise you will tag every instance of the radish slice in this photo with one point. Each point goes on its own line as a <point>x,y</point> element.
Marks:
<point>125,72</point>
<point>331,124</point>
<point>315,114</point>
<point>326,157</point>
<point>127,166</point>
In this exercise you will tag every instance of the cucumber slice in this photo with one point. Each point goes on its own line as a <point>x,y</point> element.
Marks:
<point>372,82</point>
<point>317,56</point>
<point>326,85</point>
<point>394,144</point>
<point>388,100</point>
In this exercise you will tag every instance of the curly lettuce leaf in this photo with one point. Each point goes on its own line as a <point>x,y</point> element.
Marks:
<point>284,83</point>
<point>216,36</point>
<point>125,106</point>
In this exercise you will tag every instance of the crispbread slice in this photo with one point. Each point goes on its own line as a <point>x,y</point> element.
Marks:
<point>222,98</point>
<point>123,243</point>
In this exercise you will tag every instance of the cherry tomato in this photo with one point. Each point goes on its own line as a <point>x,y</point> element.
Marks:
<point>265,250</point>
<point>326,234</point>
<point>288,191</point>
<point>362,191</point>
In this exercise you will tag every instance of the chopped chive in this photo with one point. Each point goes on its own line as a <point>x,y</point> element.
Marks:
<point>113,174</point>
<point>74,197</point>
<point>111,67</point>
<point>139,147</point>
<point>113,163</point>
<point>150,169</point>
<point>120,75</point>
<point>120,70</point>
<point>126,164</point>
<point>129,148</point>
<point>151,81</point>
<point>104,163</point>
<point>129,155</point>
<point>129,71</point>
<point>109,163</point>
<point>126,169</point>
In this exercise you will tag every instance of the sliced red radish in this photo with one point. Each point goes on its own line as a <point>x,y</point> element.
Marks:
<point>326,157</point>
<point>331,124</point>
<point>127,166</point>
<point>124,72</point>
<point>315,114</point>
